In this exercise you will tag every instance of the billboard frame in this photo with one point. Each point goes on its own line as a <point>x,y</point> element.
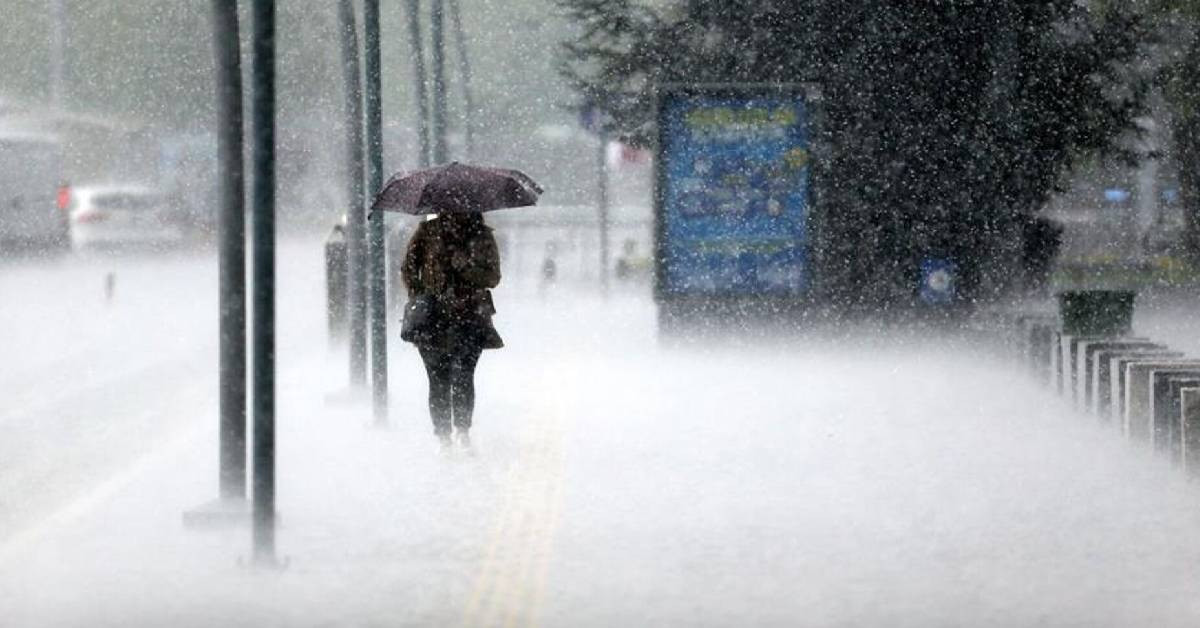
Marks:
<point>673,304</point>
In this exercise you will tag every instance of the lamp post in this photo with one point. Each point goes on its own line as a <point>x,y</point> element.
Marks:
<point>263,231</point>
<point>232,251</point>
<point>230,505</point>
<point>356,288</point>
<point>376,253</point>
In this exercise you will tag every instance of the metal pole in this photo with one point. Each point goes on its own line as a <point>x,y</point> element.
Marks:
<point>602,203</point>
<point>438,58</point>
<point>377,254</point>
<point>264,281</point>
<point>58,28</point>
<point>355,229</point>
<point>464,71</point>
<point>232,252</point>
<point>420,80</point>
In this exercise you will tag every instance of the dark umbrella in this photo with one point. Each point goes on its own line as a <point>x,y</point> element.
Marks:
<point>456,188</point>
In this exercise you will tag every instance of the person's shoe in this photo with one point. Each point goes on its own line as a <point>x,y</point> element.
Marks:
<point>464,441</point>
<point>445,444</point>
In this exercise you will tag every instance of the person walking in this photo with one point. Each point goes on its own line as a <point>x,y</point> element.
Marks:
<point>453,259</point>
<point>449,269</point>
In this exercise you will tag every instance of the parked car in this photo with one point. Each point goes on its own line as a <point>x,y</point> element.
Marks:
<point>31,175</point>
<point>117,216</point>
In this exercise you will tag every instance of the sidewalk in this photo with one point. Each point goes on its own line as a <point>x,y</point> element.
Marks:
<point>617,483</point>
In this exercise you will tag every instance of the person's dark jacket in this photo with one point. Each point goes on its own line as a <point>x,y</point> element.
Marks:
<point>458,270</point>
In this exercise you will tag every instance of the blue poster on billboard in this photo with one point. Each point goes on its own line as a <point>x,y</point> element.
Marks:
<point>733,194</point>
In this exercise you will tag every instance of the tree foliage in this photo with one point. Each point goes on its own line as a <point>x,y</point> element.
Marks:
<point>949,123</point>
<point>1179,81</point>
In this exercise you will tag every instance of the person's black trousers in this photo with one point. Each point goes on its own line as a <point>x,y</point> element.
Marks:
<point>451,385</point>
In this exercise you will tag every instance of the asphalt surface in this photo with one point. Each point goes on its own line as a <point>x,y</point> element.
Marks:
<point>871,481</point>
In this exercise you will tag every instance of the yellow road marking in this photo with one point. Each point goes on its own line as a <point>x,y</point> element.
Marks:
<point>511,583</point>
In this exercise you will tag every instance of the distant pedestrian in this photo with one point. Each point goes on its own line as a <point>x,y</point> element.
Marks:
<point>549,267</point>
<point>453,260</point>
<point>110,287</point>
<point>625,263</point>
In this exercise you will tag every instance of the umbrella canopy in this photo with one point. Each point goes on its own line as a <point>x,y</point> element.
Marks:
<point>456,188</point>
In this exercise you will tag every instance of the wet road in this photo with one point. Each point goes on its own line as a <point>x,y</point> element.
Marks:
<point>888,481</point>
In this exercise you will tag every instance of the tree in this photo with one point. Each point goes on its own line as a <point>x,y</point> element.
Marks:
<point>949,123</point>
<point>1180,84</point>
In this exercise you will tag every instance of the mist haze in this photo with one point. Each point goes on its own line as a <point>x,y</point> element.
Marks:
<point>803,308</point>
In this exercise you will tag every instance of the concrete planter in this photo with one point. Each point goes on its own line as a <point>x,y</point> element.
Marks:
<point>1096,312</point>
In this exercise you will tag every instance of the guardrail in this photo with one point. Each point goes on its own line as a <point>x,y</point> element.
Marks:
<point>1144,390</point>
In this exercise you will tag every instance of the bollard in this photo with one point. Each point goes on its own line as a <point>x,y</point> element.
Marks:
<point>1097,378</point>
<point>1165,405</point>
<point>1067,369</point>
<point>1115,401</point>
<point>1041,339</point>
<point>1028,326</point>
<point>1189,429</point>
<point>1056,372</point>
<point>336,304</point>
<point>1073,372</point>
<point>1085,356</point>
<point>1157,384</point>
<point>1139,375</point>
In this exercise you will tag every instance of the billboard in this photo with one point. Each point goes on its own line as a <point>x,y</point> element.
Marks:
<point>733,192</point>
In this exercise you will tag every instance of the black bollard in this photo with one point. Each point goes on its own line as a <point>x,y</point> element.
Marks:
<point>336,305</point>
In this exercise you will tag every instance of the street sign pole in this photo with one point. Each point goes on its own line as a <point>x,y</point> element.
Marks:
<point>594,120</point>
<point>355,229</point>
<point>377,281</point>
<point>230,507</point>
<point>263,72</point>
<point>602,203</point>
<point>232,261</point>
